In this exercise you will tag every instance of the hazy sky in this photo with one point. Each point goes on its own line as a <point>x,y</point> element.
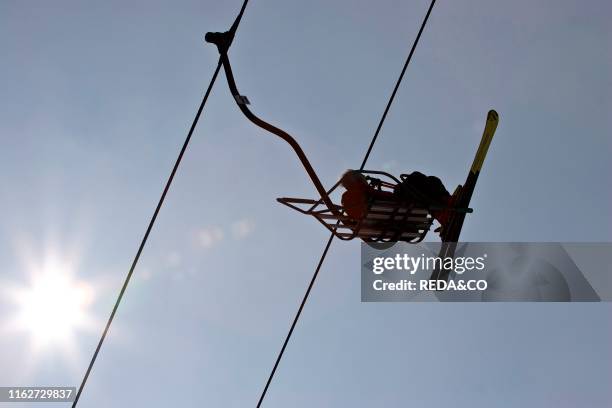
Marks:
<point>97,98</point>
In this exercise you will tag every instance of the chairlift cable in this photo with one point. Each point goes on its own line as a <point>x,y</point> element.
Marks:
<point>145,238</point>
<point>154,216</point>
<point>295,320</point>
<point>397,84</point>
<point>331,238</point>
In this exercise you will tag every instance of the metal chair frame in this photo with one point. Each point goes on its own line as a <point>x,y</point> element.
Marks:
<point>398,219</point>
<point>385,220</point>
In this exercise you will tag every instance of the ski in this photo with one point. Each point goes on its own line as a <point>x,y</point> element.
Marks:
<point>450,234</point>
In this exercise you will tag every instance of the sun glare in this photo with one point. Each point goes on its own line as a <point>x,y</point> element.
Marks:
<point>53,307</point>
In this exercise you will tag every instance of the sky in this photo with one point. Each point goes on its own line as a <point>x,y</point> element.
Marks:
<point>98,97</point>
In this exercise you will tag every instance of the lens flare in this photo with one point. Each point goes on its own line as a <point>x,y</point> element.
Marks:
<point>53,307</point>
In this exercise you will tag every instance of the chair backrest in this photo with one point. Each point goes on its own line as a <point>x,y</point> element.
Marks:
<point>393,220</point>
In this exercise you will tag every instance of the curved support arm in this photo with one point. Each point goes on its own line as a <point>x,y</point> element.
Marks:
<point>223,41</point>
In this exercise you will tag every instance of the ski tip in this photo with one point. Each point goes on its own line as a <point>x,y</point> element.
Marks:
<point>492,115</point>
<point>487,136</point>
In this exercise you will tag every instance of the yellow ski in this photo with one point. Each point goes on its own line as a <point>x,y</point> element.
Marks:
<point>450,234</point>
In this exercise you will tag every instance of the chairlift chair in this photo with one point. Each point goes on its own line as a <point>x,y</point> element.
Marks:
<point>390,219</point>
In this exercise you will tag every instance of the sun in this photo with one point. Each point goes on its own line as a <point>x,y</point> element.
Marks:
<point>52,307</point>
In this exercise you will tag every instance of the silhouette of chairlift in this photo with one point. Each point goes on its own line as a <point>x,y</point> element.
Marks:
<point>386,220</point>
